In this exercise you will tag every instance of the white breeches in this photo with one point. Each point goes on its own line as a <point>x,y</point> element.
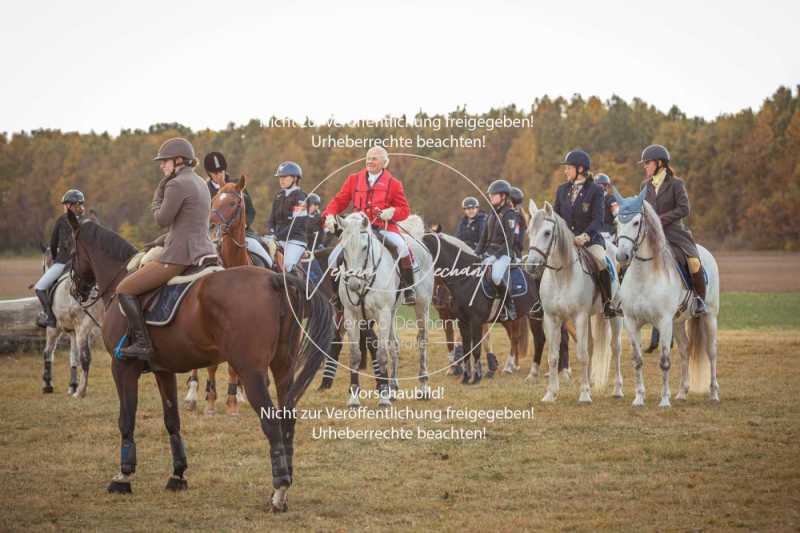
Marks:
<point>50,276</point>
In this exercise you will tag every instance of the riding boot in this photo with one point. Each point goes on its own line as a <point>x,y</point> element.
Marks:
<point>46,319</point>
<point>407,281</point>
<point>509,311</point>
<point>699,283</point>
<point>141,347</point>
<point>604,283</point>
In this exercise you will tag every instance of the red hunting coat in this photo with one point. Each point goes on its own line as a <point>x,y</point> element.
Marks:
<point>387,192</point>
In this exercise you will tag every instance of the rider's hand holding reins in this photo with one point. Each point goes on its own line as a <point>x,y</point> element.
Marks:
<point>581,239</point>
<point>387,214</point>
<point>330,224</point>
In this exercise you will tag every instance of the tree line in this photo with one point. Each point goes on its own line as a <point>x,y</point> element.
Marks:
<point>742,170</point>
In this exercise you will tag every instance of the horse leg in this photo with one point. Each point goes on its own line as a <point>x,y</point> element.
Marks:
<point>191,396</point>
<point>710,323</point>
<point>211,390</point>
<point>74,360</point>
<point>281,367</point>
<point>563,354</point>
<point>385,347</point>
<point>168,387</point>
<point>332,359</point>
<point>633,328</point>
<point>682,340</point>
<point>126,378</point>
<point>582,329</point>
<point>369,343</point>
<point>466,346</point>
<point>232,402</point>
<point>353,332</point>
<point>665,329</point>
<point>552,328</point>
<point>451,346</point>
<point>475,333</point>
<point>537,330</point>
<point>616,348</point>
<point>85,351</point>
<point>423,315</point>
<point>47,356</point>
<point>255,385</point>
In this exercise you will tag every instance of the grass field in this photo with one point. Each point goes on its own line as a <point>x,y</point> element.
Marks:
<point>696,466</point>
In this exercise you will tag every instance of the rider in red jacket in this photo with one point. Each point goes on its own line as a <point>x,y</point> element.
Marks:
<point>376,193</point>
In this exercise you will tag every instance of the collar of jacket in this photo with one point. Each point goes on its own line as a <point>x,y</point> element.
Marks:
<point>658,179</point>
<point>290,190</point>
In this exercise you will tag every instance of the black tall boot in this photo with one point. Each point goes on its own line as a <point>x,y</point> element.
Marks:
<point>604,283</point>
<point>141,347</point>
<point>699,283</point>
<point>509,309</point>
<point>46,319</point>
<point>407,281</point>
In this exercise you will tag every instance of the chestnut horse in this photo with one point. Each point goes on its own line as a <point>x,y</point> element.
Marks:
<point>246,316</point>
<point>227,214</point>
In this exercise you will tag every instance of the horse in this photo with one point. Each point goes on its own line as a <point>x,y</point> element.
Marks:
<point>568,292</point>
<point>82,326</point>
<point>228,217</point>
<point>460,270</point>
<point>246,316</point>
<point>652,292</point>
<point>369,291</point>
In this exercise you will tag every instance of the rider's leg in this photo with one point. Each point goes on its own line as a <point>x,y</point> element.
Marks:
<point>604,278</point>
<point>699,283</point>
<point>499,269</point>
<point>406,267</point>
<point>47,319</point>
<point>292,253</point>
<point>147,278</point>
<point>256,248</point>
<point>333,270</point>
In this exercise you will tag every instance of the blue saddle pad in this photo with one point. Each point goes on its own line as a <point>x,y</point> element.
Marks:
<point>518,283</point>
<point>611,269</point>
<point>166,303</point>
<point>315,272</point>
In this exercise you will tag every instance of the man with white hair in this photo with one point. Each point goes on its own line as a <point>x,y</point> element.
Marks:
<point>379,195</point>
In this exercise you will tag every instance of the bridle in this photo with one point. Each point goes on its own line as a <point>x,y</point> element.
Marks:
<point>637,241</point>
<point>226,223</point>
<point>78,283</point>
<point>546,253</point>
<point>368,280</point>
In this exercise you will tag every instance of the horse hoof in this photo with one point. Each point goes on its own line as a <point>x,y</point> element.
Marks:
<point>638,402</point>
<point>681,396</point>
<point>618,394</point>
<point>191,405</point>
<point>47,389</point>
<point>549,397</point>
<point>585,399</point>
<point>464,378</point>
<point>489,374</point>
<point>176,484</point>
<point>211,412</point>
<point>72,390</point>
<point>353,402</point>
<point>119,487</point>
<point>324,386</point>
<point>665,403</point>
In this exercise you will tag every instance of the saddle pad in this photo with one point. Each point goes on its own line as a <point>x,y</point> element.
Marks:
<point>518,283</point>
<point>166,303</point>
<point>315,272</point>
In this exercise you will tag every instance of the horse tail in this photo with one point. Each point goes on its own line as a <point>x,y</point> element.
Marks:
<point>414,226</point>
<point>699,366</point>
<point>316,343</point>
<point>600,350</point>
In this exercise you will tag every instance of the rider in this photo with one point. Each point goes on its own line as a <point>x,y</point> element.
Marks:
<point>516,197</point>
<point>62,245</point>
<point>182,204</point>
<point>375,192</point>
<point>667,194</point>
<point>497,241</point>
<point>217,170</point>
<point>287,221</point>
<point>579,202</point>
<point>314,237</point>
<point>610,207</point>
<point>472,224</point>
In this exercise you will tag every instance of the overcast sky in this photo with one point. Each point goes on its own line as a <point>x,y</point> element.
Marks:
<point>108,65</point>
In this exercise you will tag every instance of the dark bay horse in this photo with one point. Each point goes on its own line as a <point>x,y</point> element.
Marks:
<point>460,270</point>
<point>246,316</point>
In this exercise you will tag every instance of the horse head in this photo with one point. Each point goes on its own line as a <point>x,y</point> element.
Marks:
<point>83,276</point>
<point>541,236</point>
<point>227,206</point>
<point>630,225</point>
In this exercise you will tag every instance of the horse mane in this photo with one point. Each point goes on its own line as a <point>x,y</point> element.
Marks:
<point>112,244</point>
<point>655,236</point>
<point>455,241</point>
<point>414,226</point>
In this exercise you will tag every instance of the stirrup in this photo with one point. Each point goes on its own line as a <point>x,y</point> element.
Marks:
<point>610,310</point>
<point>409,298</point>
<point>699,308</point>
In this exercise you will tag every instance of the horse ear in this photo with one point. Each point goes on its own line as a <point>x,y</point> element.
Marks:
<point>73,220</point>
<point>242,183</point>
<point>548,208</point>
<point>532,207</point>
<point>617,196</point>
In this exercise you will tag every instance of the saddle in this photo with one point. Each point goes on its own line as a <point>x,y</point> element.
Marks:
<point>515,280</point>
<point>64,276</point>
<point>590,266</point>
<point>161,305</point>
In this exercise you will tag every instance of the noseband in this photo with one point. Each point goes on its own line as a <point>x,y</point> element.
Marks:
<point>226,223</point>
<point>636,242</point>
<point>546,254</point>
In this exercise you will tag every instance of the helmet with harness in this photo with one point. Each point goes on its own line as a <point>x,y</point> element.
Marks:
<point>516,196</point>
<point>215,162</point>
<point>602,179</point>
<point>577,159</point>
<point>174,148</point>
<point>470,202</point>
<point>655,152</point>
<point>289,168</point>
<point>499,187</point>
<point>313,199</point>
<point>73,196</point>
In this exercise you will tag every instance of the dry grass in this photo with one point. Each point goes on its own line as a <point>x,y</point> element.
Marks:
<point>695,466</point>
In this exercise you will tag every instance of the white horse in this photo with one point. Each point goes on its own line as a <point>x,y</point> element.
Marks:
<point>652,293</point>
<point>368,290</point>
<point>568,292</point>
<point>79,324</point>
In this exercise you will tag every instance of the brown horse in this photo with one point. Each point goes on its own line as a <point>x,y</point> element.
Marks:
<point>227,213</point>
<point>215,323</point>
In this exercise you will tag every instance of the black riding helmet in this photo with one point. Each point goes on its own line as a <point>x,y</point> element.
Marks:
<point>655,152</point>
<point>602,179</point>
<point>73,196</point>
<point>215,162</point>
<point>578,158</point>
<point>516,195</point>
<point>499,187</point>
<point>469,202</point>
<point>313,199</point>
